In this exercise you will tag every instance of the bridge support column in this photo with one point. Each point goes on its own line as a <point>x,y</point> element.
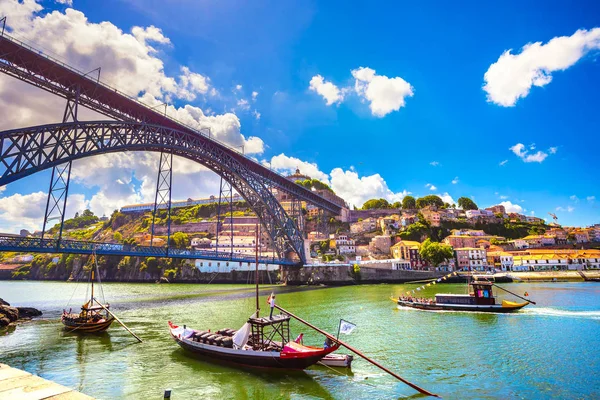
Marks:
<point>297,215</point>
<point>162,198</point>
<point>225,205</point>
<point>56,203</point>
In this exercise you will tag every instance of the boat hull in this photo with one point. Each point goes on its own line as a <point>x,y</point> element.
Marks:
<point>87,327</point>
<point>505,307</point>
<point>337,360</point>
<point>251,358</point>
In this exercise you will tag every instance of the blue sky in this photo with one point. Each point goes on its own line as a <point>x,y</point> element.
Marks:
<point>449,130</point>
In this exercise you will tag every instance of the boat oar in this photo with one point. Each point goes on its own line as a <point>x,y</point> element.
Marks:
<point>514,294</point>
<point>119,321</point>
<point>357,352</point>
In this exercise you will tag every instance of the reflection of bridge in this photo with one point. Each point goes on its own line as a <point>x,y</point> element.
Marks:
<point>25,151</point>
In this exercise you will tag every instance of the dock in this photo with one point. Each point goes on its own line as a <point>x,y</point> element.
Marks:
<point>16,384</point>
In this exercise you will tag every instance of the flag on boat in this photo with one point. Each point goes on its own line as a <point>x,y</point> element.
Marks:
<point>346,327</point>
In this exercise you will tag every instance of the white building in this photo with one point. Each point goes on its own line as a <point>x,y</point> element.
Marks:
<point>478,213</point>
<point>343,244</point>
<point>229,266</point>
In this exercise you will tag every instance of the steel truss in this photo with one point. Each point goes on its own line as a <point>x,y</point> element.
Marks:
<point>32,66</point>
<point>28,150</point>
<point>162,198</point>
<point>225,196</point>
<point>37,245</point>
<point>56,203</point>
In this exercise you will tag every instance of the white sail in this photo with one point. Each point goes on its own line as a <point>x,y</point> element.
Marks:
<point>241,336</point>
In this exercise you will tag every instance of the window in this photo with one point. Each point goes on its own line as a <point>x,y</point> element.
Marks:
<point>209,264</point>
<point>227,264</point>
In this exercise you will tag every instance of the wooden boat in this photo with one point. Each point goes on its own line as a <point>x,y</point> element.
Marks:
<point>260,342</point>
<point>480,298</point>
<point>94,316</point>
<point>337,360</point>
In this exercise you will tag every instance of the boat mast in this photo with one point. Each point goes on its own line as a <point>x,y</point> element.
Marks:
<point>92,298</point>
<point>256,270</point>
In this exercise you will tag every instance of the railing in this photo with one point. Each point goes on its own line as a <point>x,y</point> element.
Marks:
<point>38,245</point>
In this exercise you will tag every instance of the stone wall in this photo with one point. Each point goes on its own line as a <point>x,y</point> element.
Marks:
<point>344,275</point>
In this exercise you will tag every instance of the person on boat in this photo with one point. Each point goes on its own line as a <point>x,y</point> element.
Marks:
<point>271,304</point>
<point>328,343</point>
<point>299,338</point>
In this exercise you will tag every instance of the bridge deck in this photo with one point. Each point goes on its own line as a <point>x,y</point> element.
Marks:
<point>16,384</point>
<point>37,245</point>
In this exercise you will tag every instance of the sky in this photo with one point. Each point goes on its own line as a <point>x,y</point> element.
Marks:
<point>497,102</point>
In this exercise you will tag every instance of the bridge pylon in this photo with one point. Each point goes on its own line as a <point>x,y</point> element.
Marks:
<point>56,203</point>
<point>162,197</point>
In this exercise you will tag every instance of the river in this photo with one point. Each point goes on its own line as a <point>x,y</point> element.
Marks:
<point>544,351</point>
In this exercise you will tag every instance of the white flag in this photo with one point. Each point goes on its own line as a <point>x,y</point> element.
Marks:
<point>346,327</point>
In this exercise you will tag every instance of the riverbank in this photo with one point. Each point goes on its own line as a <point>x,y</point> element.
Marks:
<point>550,276</point>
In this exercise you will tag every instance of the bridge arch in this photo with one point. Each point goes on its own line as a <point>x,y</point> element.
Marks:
<point>25,151</point>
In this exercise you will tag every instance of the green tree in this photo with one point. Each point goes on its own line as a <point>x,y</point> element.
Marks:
<point>434,252</point>
<point>118,236</point>
<point>467,204</point>
<point>87,213</point>
<point>179,240</point>
<point>409,203</point>
<point>376,204</point>
<point>430,200</point>
<point>397,205</point>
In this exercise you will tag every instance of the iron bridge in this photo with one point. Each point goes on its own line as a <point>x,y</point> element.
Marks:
<point>134,127</point>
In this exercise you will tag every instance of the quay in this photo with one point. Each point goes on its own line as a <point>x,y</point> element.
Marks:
<point>16,384</point>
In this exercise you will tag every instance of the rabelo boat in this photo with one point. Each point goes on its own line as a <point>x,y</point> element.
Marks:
<point>480,298</point>
<point>260,342</point>
<point>94,316</point>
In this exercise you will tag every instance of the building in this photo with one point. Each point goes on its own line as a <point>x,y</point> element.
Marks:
<point>409,250</point>
<point>497,209</point>
<point>387,225</point>
<point>380,244</point>
<point>500,260</point>
<point>471,214</point>
<point>201,243</point>
<point>471,259</point>
<point>534,220</point>
<point>431,216</point>
<point>535,241</point>
<point>342,244</point>
<point>365,225</point>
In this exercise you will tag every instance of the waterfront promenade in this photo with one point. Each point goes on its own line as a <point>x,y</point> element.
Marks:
<point>16,384</point>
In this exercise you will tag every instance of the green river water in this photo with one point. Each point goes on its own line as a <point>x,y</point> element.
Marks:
<point>551,350</point>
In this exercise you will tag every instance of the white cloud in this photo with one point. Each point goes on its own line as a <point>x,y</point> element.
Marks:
<point>567,209</point>
<point>446,198</point>
<point>26,211</point>
<point>430,186</point>
<point>455,180</point>
<point>346,184</point>
<point>288,165</point>
<point>591,199</point>
<point>502,163</point>
<point>512,76</point>
<point>330,92</point>
<point>254,95</point>
<point>243,104</point>
<point>574,198</point>
<point>225,127</point>
<point>66,2</point>
<point>503,197</point>
<point>191,84</point>
<point>384,94</point>
<point>511,208</point>
<point>356,190</point>
<point>256,114</point>
<point>553,150</point>
<point>238,88</point>
<point>523,154</point>
<point>434,163</point>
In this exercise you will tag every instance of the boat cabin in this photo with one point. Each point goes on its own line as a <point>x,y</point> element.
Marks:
<point>480,294</point>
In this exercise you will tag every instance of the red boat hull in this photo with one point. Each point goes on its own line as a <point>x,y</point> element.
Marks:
<point>257,359</point>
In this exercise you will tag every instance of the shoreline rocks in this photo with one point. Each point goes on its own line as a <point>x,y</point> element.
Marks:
<point>10,314</point>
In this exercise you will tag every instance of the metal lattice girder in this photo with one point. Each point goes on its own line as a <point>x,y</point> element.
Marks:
<point>296,213</point>
<point>29,150</point>
<point>36,245</point>
<point>225,202</point>
<point>162,199</point>
<point>32,66</point>
<point>58,192</point>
